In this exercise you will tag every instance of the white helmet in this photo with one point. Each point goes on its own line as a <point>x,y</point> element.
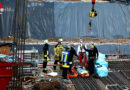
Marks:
<point>60,40</point>
<point>45,41</point>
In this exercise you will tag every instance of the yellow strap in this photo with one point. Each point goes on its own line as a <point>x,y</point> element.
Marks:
<point>47,52</point>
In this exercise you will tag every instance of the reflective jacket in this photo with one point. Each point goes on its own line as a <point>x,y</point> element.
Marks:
<point>65,59</point>
<point>45,54</point>
<point>58,52</point>
<point>93,13</point>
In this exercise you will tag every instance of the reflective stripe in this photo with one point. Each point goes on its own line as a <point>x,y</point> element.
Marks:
<point>48,59</point>
<point>62,57</point>
<point>65,66</point>
<point>70,63</point>
<point>45,60</point>
<point>91,57</point>
<point>65,58</point>
<point>47,53</point>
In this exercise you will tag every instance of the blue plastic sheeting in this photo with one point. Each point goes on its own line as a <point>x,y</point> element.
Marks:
<point>40,23</point>
<point>114,49</point>
<point>101,70</point>
<point>6,19</point>
<point>69,20</point>
<point>40,19</point>
<point>101,60</point>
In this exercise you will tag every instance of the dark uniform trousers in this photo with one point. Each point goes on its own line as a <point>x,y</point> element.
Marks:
<point>64,73</point>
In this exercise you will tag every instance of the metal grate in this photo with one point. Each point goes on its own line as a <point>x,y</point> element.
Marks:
<point>85,84</point>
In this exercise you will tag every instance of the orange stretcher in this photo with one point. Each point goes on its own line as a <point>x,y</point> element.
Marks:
<point>74,75</point>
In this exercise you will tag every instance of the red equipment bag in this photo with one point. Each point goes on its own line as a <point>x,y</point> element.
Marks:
<point>5,74</point>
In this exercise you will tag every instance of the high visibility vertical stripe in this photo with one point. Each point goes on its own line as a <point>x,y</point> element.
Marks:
<point>65,58</point>
<point>47,53</point>
<point>62,57</point>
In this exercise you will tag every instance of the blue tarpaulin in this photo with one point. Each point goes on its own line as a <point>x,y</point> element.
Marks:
<point>69,20</point>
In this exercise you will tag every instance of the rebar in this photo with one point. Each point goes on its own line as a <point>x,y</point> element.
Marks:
<point>20,19</point>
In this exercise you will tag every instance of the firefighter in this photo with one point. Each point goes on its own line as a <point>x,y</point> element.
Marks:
<point>91,58</point>
<point>65,60</point>
<point>72,53</point>
<point>57,53</point>
<point>45,55</point>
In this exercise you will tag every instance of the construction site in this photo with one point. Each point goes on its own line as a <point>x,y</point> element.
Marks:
<point>64,44</point>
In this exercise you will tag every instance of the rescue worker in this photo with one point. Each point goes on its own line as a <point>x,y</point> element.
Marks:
<point>81,52</point>
<point>65,60</point>
<point>93,13</point>
<point>45,55</point>
<point>57,53</point>
<point>92,59</point>
<point>72,53</point>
